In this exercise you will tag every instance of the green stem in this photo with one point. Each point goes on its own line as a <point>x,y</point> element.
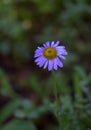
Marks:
<point>55,90</point>
<point>56,99</point>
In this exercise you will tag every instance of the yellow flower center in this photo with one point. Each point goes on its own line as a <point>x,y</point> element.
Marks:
<point>50,53</point>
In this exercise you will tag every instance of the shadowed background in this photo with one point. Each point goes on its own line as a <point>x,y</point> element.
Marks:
<point>26,91</point>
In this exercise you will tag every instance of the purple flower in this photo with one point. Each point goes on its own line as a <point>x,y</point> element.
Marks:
<point>50,55</point>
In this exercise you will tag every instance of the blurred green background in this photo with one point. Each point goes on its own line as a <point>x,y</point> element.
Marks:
<point>26,91</point>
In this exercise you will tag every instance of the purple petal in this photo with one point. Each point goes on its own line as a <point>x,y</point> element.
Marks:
<point>56,44</point>
<point>55,64</point>
<point>59,63</point>
<point>41,62</point>
<point>39,59</point>
<point>47,44</point>
<point>52,44</point>
<point>60,47</point>
<point>62,57</point>
<point>39,49</point>
<point>61,50</point>
<point>38,54</point>
<point>50,65</point>
<point>45,65</point>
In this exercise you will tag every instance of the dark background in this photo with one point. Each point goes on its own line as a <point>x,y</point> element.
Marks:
<point>26,91</point>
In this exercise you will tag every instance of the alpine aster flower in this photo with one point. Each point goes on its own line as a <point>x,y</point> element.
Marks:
<point>50,55</point>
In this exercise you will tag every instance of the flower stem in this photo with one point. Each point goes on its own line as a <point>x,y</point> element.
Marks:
<point>56,99</point>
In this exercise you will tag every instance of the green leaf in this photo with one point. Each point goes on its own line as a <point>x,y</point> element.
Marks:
<point>8,109</point>
<point>77,85</point>
<point>6,88</point>
<point>19,125</point>
<point>33,81</point>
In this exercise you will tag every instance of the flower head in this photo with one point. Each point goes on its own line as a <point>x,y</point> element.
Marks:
<point>50,55</point>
